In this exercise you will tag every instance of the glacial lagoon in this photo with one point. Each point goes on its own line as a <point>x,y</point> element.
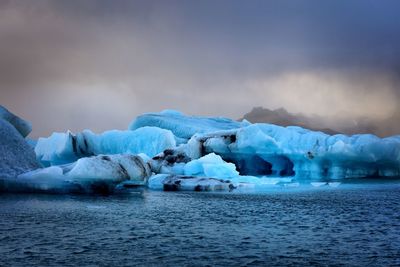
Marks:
<point>354,224</point>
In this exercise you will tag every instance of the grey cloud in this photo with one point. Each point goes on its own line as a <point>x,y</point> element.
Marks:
<point>98,64</point>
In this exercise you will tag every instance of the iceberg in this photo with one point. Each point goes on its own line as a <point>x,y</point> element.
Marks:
<point>269,150</point>
<point>266,149</point>
<point>184,126</point>
<point>22,126</point>
<point>62,148</point>
<point>16,155</point>
<point>189,183</point>
<point>174,152</point>
<point>98,174</point>
<point>241,184</point>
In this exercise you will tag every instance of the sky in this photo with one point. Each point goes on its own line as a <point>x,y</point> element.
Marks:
<point>86,64</point>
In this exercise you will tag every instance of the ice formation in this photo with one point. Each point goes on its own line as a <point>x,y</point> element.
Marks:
<point>210,165</point>
<point>183,126</point>
<point>61,148</point>
<point>98,174</point>
<point>271,150</point>
<point>16,155</point>
<point>266,149</point>
<point>171,151</point>
<point>172,182</point>
<point>189,183</point>
<point>22,126</point>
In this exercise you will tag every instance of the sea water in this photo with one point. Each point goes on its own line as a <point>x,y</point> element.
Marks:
<point>354,224</point>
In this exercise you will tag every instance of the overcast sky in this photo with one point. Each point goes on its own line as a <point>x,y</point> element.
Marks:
<point>98,64</point>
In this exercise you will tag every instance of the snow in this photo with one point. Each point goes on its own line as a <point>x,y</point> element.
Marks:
<point>61,148</point>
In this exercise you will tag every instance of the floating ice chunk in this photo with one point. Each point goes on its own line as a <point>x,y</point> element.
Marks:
<point>61,148</point>
<point>334,184</point>
<point>47,180</point>
<point>100,174</point>
<point>246,179</point>
<point>318,184</point>
<point>210,165</point>
<point>185,126</point>
<point>175,183</point>
<point>292,185</point>
<point>259,184</point>
<point>276,180</point>
<point>113,167</point>
<point>169,182</point>
<point>190,183</point>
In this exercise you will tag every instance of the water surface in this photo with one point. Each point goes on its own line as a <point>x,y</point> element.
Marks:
<point>351,225</point>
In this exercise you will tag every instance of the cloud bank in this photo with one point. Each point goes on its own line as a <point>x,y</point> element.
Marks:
<point>98,64</point>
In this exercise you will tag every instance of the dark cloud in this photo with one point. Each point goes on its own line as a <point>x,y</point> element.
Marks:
<point>98,64</point>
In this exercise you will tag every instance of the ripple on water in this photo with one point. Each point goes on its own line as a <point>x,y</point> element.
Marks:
<point>352,227</point>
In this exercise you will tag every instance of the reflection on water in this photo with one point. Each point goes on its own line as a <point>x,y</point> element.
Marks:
<point>354,224</point>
